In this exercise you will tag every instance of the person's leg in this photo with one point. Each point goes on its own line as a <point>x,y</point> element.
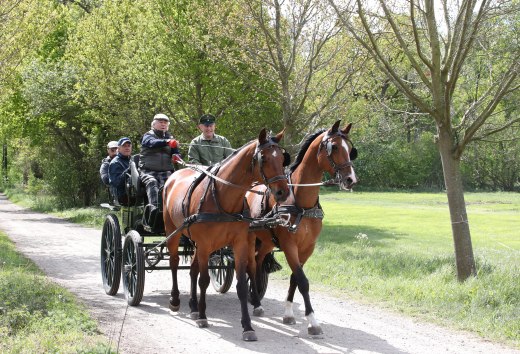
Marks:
<point>152,192</point>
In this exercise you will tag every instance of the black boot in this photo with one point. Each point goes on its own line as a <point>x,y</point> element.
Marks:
<point>151,209</point>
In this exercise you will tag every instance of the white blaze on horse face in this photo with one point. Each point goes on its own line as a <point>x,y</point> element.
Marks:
<point>275,153</point>
<point>345,145</point>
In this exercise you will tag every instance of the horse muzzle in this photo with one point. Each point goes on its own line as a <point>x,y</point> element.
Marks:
<point>346,182</point>
<point>280,193</point>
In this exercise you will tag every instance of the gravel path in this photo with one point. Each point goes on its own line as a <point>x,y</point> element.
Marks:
<point>69,255</point>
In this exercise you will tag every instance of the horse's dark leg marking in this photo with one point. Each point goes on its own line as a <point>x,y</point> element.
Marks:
<point>174,299</point>
<point>194,273</point>
<point>292,288</point>
<point>203,285</point>
<point>303,286</point>
<point>242,296</point>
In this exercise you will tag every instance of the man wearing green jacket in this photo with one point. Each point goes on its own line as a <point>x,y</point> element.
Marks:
<point>208,148</point>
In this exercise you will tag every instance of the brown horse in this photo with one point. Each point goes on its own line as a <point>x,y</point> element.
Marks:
<point>209,208</point>
<point>325,151</point>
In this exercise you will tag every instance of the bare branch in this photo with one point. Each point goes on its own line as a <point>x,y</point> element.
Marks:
<point>373,49</point>
<point>417,38</point>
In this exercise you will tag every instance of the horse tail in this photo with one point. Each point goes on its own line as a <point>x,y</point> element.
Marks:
<point>188,247</point>
<point>270,264</point>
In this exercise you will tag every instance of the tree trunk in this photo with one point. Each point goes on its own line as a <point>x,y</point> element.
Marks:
<point>459,220</point>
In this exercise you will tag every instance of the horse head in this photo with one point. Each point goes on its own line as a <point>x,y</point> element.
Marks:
<point>336,153</point>
<point>270,160</point>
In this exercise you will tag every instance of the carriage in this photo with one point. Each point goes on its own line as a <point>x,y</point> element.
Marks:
<point>231,213</point>
<point>130,247</point>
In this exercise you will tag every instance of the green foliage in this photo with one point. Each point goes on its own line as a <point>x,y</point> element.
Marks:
<point>33,310</point>
<point>399,164</point>
<point>86,72</point>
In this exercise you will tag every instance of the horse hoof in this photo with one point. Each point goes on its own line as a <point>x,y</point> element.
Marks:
<point>314,331</point>
<point>289,320</point>
<point>249,336</point>
<point>174,308</point>
<point>194,315</point>
<point>202,323</point>
<point>258,312</point>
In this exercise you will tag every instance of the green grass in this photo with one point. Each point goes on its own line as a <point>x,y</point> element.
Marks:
<point>37,316</point>
<point>396,249</point>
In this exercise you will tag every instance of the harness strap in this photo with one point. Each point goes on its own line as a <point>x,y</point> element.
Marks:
<point>196,168</point>
<point>316,212</point>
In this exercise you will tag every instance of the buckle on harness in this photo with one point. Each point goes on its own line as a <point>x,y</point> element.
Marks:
<point>284,219</point>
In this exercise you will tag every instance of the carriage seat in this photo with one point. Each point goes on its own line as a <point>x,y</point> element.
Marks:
<point>134,185</point>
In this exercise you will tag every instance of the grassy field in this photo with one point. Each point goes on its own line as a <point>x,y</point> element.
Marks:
<point>37,316</point>
<point>396,250</point>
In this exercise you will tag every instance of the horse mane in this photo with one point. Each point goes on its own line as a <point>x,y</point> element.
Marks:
<point>303,150</point>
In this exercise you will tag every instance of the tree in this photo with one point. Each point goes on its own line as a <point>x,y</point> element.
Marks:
<point>296,47</point>
<point>22,25</point>
<point>438,44</point>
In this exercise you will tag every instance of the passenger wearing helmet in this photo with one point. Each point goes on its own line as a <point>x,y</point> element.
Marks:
<point>158,153</point>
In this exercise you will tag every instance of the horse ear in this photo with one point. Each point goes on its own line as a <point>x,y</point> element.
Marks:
<point>347,129</point>
<point>335,127</point>
<point>279,136</point>
<point>262,137</point>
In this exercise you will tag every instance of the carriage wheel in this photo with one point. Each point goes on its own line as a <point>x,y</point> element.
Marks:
<point>111,254</point>
<point>133,268</point>
<point>262,279</point>
<point>221,278</point>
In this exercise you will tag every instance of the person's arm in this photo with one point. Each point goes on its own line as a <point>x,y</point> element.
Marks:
<point>150,141</point>
<point>103,171</point>
<point>116,173</point>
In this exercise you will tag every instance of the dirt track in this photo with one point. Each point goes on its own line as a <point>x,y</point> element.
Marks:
<point>69,255</point>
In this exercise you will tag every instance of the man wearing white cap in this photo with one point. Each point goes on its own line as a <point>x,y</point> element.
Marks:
<point>158,153</point>
<point>103,170</point>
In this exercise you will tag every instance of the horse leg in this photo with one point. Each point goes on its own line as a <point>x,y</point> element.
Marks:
<point>194,274</point>
<point>175,301</point>
<point>202,261</point>
<point>298,276</point>
<point>288,316</point>
<point>173,249</point>
<point>241,258</point>
<point>252,269</point>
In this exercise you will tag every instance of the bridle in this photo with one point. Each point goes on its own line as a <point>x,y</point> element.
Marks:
<point>259,157</point>
<point>326,144</point>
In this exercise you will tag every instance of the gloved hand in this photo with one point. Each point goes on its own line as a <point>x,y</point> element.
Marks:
<point>176,158</point>
<point>172,143</point>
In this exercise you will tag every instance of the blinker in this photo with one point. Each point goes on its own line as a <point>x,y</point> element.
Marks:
<point>353,153</point>
<point>286,159</point>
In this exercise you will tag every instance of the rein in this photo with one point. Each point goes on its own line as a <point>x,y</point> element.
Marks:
<point>217,178</point>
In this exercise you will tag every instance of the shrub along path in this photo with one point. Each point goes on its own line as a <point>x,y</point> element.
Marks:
<point>69,255</point>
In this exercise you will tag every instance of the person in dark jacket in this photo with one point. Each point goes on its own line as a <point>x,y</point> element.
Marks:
<point>118,168</point>
<point>158,154</point>
<point>103,169</point>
